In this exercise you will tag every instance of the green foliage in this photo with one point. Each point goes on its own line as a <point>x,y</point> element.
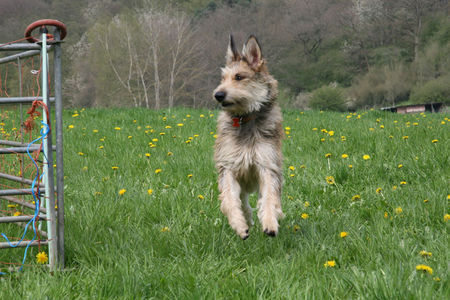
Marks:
<point>328,98</point>
<point>436,90</point>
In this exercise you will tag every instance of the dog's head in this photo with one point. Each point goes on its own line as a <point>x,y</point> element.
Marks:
<point>246,84</point>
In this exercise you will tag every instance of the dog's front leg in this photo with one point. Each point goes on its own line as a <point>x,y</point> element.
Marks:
<point>269,203</point>
<point>231,205</point>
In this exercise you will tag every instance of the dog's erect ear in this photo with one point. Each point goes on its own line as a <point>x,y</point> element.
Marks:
<point>252,53</point>
<point>232,53</point>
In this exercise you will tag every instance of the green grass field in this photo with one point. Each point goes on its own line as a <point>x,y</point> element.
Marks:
<point>143,218</point>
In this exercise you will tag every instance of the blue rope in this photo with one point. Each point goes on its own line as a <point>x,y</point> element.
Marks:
<point>43,133</point>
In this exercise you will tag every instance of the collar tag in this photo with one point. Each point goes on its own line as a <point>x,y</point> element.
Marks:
<point>236,122</point>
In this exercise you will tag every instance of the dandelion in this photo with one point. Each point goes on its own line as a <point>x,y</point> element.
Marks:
<point>378,190</point>
<point>130,137</point>
<point>330,180</point>
<point>71,127</point>
<point>402,182</point>
<point>168,127</point>
<point>344,155</point>
<point>385,215</point>
<point>398,210</point>
<point>17,213</point>
<point>302,167</point>
<point>343,234</point>
<point>356,197</point>
<point>425,201</point>
<point>157,171</point>
<point>41,258</point>
<point>295,228</point>
<point>154,140</point>
<point>446,217</point>
<point>343,138</point>
<point>434,141</point>
<point>350,166</point>
<point>169,153</point>
<point>101,147</point>
<point>405,137</point>
<point>147,154</point>
<point>117,128</point>
<point>331,133</point>
<point>115,168</point>
<point>149,191</point>
<point>292,168</point>
<point>400,166</point>
<point>306,204</point>
<point>330,263</point>
<point>366,157</point>
<point>424,268</point>
<point>95,131</point>
<point>304,216</point>
<point>165,229</point>
<point>180,124</point>
<point>201,197</point>
<point>328,155</point>
<point>394,187</point>
<point>190,176</point>
<point>314,129</point>
<point>425,254</point>
<point>287,128</point>
<point>80,153</point>
<point>122,191</point>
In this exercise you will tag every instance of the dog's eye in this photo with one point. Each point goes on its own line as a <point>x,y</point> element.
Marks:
<point>238,77</point>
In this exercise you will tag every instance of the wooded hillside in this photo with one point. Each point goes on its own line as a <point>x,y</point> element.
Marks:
<point>156,54</point>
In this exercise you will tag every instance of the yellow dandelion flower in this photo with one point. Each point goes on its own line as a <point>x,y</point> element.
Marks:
<point>157,171</point>
<point>330,180</point>
<point>17,213</point>
<point>378,190</point>
<point>402,182</point>
<point>424,268</point>
<point>117,128</point>
<point>322,140</point>
<point>382,126</point>
<point>201,197</point>
<point>304,216</point>
<point>350,166</point>
<point>330,263</point>
<point>80,153</point>
<point>425,201</point>
<point>165,229</point>
<point>314,129</point>
<point>398,210</point>
<point>331,133</point>
<point>446,217</point>
<point>71,127</point>
<point>400,166</point>
<point>130,137</point>
<point>344,155</point>
<point>287,128</point>
<point>295,228</point>
<point>405,137</point>
<point>169,153</point>
<point>292,168</point>
<point>122,191</point>
<point>154,140</point>
<point>190,176</point>
<point>434,141</point>
<point>101,147</point>
<point>149,191</point>
<point>95,131</point>
<point>425,254</point>
<point>343,234</point>
<point>356,197</point>
<point>306,204</point>
<point>302,167</point>
<point>366,157</point>
<point>328,155</point>
<point>41,258</point>
<point>147,154</point>
<point>202,116</point>
<point>385,214</point>
<point>180,124</point>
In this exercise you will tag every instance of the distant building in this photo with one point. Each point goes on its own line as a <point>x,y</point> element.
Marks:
<point>415,108</point>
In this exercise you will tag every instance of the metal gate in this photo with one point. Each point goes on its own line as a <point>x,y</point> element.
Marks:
<point>49,185</point>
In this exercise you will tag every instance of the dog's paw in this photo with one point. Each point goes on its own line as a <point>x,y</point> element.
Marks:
<point>269,232</point>
<point>244,235</point>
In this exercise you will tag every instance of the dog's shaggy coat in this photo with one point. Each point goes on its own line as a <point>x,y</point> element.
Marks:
<point>248,147</point>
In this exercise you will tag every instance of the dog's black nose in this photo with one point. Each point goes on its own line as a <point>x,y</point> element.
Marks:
<point>220,96</point>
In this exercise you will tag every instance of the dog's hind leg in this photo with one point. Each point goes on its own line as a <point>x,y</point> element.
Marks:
<point>231,204</point>
<point>269,202</point>
<point>248,212</point>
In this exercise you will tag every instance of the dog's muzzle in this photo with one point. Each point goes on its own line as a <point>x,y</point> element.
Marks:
<point>220,96</point>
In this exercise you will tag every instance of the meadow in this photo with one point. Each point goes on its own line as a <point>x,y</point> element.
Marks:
<point>365,196</point>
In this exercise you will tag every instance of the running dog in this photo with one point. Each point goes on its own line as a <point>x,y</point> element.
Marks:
<point>248,153</point>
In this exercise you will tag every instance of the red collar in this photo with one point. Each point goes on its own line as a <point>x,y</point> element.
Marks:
<point>238,121</point>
